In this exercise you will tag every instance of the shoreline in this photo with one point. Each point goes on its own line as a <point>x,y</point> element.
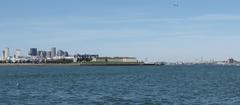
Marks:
<point>72,64</point>
<point>80,65</point>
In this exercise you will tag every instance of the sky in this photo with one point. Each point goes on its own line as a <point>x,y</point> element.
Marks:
<point>155,30</point>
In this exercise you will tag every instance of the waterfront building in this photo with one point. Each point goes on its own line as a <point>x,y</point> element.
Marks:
<point>117,59</point>
<point>42,54</point>
<point>101,59</point>
<point>3,55</point>
<point>17,53</point>
<point>33,52</point>
<point>6,53</point>
<point>60,53</point>
<point>129,59</point>
<point>231,61</point>
<point>66,54</point>
<point>53,52</point>
<point>85,57</point>
<point>49,54</point>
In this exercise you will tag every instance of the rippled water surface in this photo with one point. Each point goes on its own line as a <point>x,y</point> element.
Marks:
<point>120,85</point>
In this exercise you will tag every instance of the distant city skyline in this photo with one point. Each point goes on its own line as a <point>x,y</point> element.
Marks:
<point>154,29</point>
<point>15,53</point>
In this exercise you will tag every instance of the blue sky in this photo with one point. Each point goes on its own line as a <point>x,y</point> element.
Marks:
<point>153,29</point>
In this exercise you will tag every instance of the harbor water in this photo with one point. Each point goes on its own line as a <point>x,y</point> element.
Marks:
<point>120,85</point>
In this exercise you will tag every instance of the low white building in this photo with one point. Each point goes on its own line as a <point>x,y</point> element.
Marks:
<point>116,59</point>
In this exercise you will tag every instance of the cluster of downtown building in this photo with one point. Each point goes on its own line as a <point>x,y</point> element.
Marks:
<point>34,55</point>
<point>57,56</point>
<point>47,54</point>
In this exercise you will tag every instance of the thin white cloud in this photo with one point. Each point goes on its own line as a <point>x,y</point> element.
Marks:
<point>208,17</point>
<point>216,17</point>
<point>79,20</point>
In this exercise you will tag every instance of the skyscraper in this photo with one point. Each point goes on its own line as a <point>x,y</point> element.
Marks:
<point>60,53</point>
<point>42,54</point>
<point>49,54</point>
<point>17,53</point>
<point>3,55</point>
<point>33,52</point>
<point>6,53</point>
<point>66,54</point>
<point>53,51</point>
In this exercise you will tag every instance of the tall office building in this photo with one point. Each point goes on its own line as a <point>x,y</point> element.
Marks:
<point>66,54</point>
<point>42,54</point>
<point>53,52</point>
<point>33,52</point>
<point>6,53</point>
<point>60,53</point>
<point>17,53</point>
<point>49,54</point>
<point>3,55</point>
